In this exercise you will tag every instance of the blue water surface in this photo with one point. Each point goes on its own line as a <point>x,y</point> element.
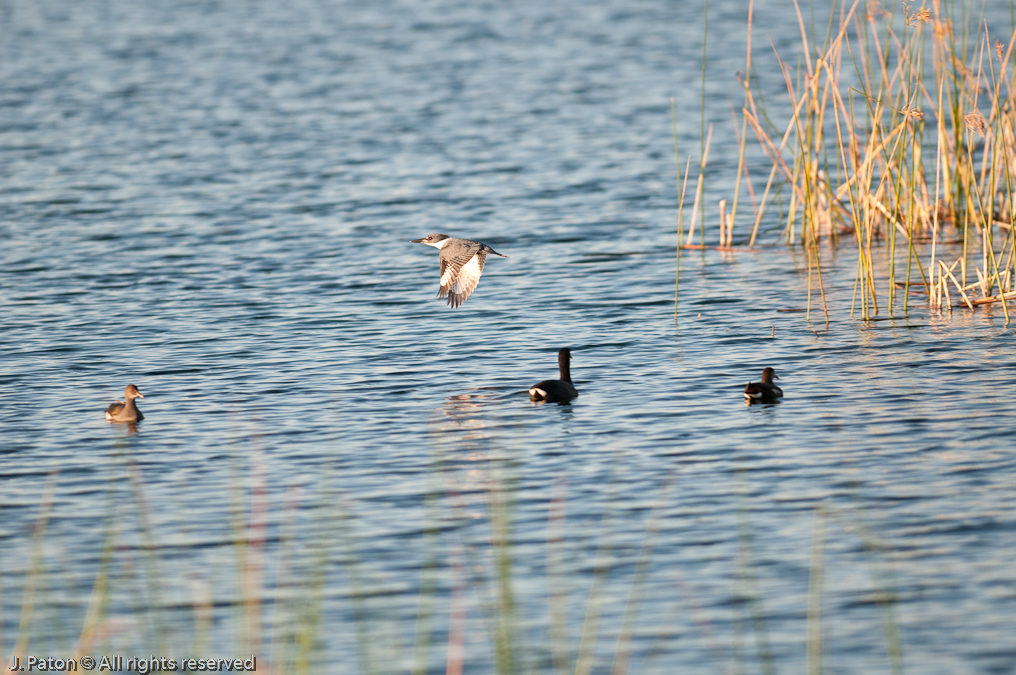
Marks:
<point>215,201</point>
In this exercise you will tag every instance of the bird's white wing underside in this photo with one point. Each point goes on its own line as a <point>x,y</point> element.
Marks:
<point>461,266</point>
<point>459,278</point>
<point>452,264</point>
<point>448,273</point>
<point>465,283</point>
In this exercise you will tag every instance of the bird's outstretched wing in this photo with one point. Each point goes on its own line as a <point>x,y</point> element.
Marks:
<point>461,274</point>
<point>463,284</point>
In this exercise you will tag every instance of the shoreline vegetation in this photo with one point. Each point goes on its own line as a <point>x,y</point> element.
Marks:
<point>901,135</point>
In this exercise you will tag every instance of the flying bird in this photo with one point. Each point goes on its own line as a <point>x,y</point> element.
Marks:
<point>461,265</point>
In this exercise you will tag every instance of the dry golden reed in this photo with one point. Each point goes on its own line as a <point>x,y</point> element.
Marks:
<point>898,133</point>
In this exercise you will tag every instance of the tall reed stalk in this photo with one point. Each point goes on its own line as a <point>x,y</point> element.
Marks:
<point>866,109</point>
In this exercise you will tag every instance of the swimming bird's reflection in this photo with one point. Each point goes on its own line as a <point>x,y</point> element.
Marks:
<point>464,421</point>
<point>125,429</point>
<point>469,454</point>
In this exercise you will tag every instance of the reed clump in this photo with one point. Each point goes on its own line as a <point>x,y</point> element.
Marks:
<point>901,135</point>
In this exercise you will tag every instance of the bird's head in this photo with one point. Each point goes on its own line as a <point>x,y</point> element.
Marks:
<point>436,240</point>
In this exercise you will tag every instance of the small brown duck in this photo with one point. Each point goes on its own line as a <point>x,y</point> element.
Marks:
<point>558,391</point>
<point>764,391</point>
<point>126,412</point>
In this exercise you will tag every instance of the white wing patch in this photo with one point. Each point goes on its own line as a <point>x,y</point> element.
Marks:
<point>462,282</point>
<point>448,274</point>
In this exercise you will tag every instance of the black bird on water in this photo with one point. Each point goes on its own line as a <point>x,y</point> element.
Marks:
<point>764,391</point>
<point>558,391</point>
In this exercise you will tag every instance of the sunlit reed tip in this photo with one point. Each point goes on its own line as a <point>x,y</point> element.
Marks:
<point>874,10</point>
<point>922,15</point>
<point>975,122</point>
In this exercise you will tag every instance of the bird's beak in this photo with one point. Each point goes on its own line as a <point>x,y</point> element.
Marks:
<point>416,241</point>
<point>140,395</point>
<point>775,376</point>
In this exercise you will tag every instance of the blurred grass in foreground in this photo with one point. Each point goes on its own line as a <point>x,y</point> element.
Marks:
<point>296,577</point>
